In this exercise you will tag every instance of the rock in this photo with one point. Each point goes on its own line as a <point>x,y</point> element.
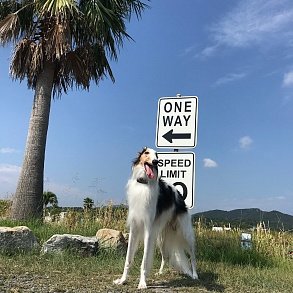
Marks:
<point>109,238</point>
<point>17,239</point>
<point>58,243</point>
<point>126,236</point>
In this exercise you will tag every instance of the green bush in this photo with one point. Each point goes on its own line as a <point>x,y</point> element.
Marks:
<point>4,207</point>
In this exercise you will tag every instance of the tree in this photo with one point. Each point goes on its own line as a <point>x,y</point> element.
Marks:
<point>88,203</point>
<point>58,44</point>
<point>49,198</point>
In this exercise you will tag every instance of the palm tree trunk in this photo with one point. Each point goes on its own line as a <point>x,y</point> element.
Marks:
<point>27,201</point>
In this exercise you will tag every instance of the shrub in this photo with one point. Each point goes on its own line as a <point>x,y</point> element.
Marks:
<point>5,206</point>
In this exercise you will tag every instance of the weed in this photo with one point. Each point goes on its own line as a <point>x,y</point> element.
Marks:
<point>222,264</point>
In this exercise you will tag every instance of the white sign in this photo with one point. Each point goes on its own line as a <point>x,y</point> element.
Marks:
<point>179,169</point>
<point>177,122</point>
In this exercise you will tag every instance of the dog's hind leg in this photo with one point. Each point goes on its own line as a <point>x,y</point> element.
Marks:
<point>193,264</point>
<point>132,247</point>
<point>164,254</point>
<point>163,261</point>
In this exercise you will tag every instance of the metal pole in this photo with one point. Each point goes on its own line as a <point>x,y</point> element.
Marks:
<point>177,150</point>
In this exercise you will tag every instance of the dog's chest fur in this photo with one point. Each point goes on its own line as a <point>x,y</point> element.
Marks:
<point>142,201</point>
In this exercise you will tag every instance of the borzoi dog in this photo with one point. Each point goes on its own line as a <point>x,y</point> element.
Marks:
<point>157,211</point>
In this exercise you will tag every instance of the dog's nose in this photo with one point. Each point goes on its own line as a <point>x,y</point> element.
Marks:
<point>155,162</point>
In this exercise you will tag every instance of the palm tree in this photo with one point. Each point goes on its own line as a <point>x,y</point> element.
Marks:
<point>59,44</point>
<point>49,198</point>
<point>88,203</point>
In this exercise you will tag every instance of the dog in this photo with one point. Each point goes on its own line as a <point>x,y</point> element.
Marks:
<point>157,211</point>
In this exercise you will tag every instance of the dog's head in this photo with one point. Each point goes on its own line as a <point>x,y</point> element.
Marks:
<point>147,164</point>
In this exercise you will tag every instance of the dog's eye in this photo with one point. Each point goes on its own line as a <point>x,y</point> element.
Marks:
<point>147,153</point>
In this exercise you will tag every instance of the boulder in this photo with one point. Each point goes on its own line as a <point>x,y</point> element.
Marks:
<point>17,239</point>
<point>58,243</point>
<point>109,238</point>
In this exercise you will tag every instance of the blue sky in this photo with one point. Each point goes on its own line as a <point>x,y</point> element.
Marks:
<point>236,56</point>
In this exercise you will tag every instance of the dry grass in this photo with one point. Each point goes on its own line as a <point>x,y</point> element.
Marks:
<point>222,265</point>
<point>68,273</point>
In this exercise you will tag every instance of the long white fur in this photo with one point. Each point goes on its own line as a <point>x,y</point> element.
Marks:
<point>175,236</point>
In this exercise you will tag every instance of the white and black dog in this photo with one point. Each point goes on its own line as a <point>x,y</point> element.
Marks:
<point>157,211</point>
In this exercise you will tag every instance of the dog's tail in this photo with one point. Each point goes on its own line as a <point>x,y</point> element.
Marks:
<point>178,258</point>
<point>175,248</point>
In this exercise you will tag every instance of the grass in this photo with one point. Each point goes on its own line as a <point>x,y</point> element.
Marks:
<point>222,265</point>
<point>67,273</point>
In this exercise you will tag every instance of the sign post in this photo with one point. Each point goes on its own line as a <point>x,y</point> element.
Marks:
<point>177,128</point>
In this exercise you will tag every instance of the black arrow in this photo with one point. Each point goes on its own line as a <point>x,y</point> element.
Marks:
<point>169,136</point>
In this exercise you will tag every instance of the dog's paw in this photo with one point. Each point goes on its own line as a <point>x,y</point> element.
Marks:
<point>142,285</point>
<point>194,276</point>
<point>120,281</point>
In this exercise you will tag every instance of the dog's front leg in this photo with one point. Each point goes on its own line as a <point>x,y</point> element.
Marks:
<point>147,258</point>
<point>132,247</point>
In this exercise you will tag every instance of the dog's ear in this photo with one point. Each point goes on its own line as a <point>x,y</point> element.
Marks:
<point>136,160</point>
<point>143,150</point>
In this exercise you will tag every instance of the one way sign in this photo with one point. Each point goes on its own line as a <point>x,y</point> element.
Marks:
<point>177,122</point>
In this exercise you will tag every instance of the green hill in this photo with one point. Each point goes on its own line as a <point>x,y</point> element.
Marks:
<point>247,218</point>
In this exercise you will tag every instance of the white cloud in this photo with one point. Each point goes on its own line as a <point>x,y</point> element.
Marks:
<point>8,178</point>
<point>188,50</point>
<point>7,169</point>
<point>281,197</point>
<point>209,163</point>
<point>229,78</point>
<point>207,52</point>
<point>253,23</point>
<point>7,150</point>
<point>245,142</point>
<point>288,79</point>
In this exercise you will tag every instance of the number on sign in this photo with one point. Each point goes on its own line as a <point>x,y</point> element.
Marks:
<point>184,189</point>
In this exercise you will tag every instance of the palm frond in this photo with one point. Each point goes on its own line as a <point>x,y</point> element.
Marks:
<point>8,7</point>
<point>54,7</point>
<point>36,64</point>
<point>17,20</point>
<point>25,63</point>
<point>106,22</point>
<point>80,67</point>
<point>77,36</point>
<point>130,6</point>
<point>58,39</point>
<point>9,28</point>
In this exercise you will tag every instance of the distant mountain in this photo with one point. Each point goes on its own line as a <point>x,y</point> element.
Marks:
<point>247,218</point>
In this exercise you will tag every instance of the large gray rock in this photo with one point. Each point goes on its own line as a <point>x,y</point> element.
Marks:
<point>82,245</point>
<point>109,238</point>
<point>16,239</point>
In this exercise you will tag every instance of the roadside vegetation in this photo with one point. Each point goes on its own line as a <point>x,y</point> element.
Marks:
<point>223,265</point>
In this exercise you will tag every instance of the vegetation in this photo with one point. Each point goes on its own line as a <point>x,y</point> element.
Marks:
<point>59,44</point>
<point>88,203</point>
<point>223,266</point>
<point>49,198</point>
<point>247,219</point>
<point>5,206</point>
